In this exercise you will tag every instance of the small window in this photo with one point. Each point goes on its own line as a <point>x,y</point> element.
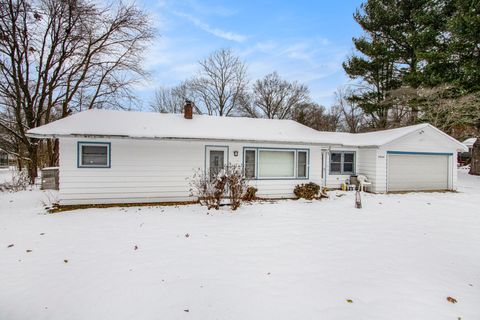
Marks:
<point>342,162</point>
<point>3,159</point>
<point>348,159</point>
<point>250,164</point>
<point>335,162</point>
<point>302,164</point>
<point>94,155</point>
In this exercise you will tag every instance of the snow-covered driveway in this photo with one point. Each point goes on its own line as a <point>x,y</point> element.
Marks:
<point>399,257</point>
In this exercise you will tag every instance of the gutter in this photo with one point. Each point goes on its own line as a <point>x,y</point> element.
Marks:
<point>58,136</point>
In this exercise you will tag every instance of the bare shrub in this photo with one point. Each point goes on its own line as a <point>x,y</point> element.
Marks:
<point>307,191</point>
<point>203,187</point>
<point>19,181</point>
<point>250,194</point>
<point>50,199</point>
<point>236,185</point>
<point>219,183</point>
<point>210,191</point>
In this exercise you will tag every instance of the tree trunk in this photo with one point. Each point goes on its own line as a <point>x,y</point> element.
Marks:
<point>33,162</point>
<point>52,151</point>
<point>19,163</point>
<point>475,164</point>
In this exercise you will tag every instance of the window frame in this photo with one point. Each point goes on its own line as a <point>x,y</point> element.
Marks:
<point>3,157</point>
<point>255,171</point>
<point>80,144</point>
<point>306,163</point>
<point>295,162</point>
<point>342,162</point>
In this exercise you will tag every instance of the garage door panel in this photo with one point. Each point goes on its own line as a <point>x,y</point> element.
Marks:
<point>408,172</point>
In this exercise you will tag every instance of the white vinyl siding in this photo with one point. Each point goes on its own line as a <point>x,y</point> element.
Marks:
<point>158,171</point>
<point>369,165</point>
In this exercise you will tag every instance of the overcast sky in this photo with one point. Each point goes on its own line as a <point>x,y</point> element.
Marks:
<point>302,40</point>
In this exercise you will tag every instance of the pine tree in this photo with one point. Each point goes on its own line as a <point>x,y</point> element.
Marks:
<point>399,38</point>
<point>464,44</point>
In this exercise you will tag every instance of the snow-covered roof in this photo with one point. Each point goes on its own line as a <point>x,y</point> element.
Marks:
<point>470,142</point>
<point>374,138</point>
<point>152,125</point>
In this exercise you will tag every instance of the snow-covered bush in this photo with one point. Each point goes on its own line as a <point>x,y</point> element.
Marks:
<point>307,191</point>
<point>236,185</point>
<point>210,191</point>
<point>19,181</point>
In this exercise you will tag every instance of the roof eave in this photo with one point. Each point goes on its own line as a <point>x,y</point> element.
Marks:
<point>96,136</point>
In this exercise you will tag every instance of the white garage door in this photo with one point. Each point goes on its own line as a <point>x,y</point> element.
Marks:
<point>409,172</point>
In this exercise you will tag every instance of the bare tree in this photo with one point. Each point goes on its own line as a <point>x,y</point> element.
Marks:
<point>317,117</point>
<point>58,56</point>
<point>275,98</point>
<point>171,99</point>
<point>352,116</point>
<point>220,86</point>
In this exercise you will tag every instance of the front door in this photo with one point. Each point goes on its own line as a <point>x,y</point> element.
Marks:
<point>217,162</point>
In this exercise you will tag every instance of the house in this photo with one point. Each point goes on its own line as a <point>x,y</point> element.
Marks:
<point>469,143</point>
<point>135,157</point>
<point>465,158</point>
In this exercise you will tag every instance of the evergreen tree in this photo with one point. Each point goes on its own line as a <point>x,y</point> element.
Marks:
<point>464,44</point>
<point>400,36</point>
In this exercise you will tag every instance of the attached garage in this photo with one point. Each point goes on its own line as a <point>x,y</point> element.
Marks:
<point>416,171</point>
<point>415,158</point>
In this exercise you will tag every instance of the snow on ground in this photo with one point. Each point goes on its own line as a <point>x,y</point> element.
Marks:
<point>5,175</point>
<point>399,257</point>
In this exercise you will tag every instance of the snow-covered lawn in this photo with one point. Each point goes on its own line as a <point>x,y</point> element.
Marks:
<point>399,257</point>
<point>5,175</point>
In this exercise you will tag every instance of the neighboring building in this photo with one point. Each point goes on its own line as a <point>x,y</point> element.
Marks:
<point>3,159</point>
<point>469,143</point>
<point>123,157</point>
<point>465,158</point>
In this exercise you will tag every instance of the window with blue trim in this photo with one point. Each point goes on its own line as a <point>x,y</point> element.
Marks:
<point>93,155</point>
<point>250,163</point>
<point>273,163</point>
<point>342,162</point>
<point>302,164</point>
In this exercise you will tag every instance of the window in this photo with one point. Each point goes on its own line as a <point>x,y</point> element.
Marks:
<point>275,163</point>
<point>342,162</point>
<point>217,162</point>
<point>250,163</point>
<point>301,164</point>
<point>94,155</point>
<point>3,159</point>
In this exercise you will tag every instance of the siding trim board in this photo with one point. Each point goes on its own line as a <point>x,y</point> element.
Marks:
<point>421,153</point>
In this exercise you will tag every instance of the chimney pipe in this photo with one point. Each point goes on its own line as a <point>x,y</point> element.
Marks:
<point>188,109</point>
